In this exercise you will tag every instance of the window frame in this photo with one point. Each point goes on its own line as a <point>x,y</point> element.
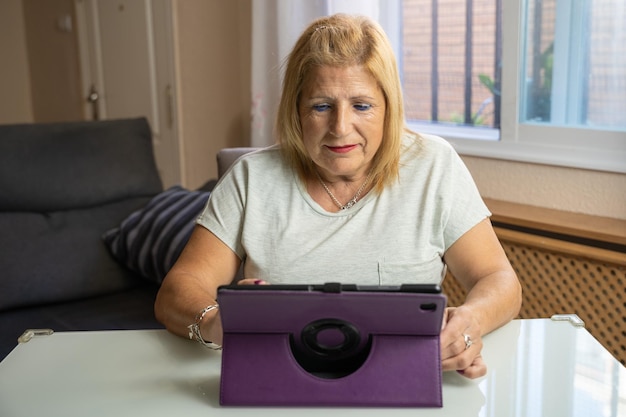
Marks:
<point>576,147</point>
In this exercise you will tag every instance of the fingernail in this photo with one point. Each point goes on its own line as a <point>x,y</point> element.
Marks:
<point>258,281</point>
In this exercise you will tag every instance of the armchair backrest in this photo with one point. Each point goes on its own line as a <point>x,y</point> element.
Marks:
<point>227,156</point>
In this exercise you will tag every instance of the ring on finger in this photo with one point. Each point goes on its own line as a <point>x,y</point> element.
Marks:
<point>468,341</point>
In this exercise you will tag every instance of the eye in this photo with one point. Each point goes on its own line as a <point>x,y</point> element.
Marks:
<point>362,106</point>
<point>321,107</point>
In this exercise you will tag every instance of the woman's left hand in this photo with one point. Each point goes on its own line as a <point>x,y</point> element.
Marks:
<point>462,343</point>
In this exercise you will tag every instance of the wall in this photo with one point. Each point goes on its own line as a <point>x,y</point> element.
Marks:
<point>14,82</point>
<point>49,35</point>
<point>24,72</point>
<point>569,189</point>
<point>213,43</point>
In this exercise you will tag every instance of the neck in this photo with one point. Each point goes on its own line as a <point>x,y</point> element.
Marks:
<point>347,198</point>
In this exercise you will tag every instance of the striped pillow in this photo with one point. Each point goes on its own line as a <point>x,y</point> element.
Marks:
<point>150,240</point>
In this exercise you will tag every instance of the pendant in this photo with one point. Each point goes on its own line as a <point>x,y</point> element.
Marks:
<point>349,204</point>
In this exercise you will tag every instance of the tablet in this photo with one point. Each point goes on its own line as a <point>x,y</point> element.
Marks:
<point>331,344</point>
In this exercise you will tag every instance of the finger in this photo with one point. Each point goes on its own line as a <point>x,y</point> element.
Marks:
<point>461,355</point>
<point>458,362</point>
<point>453,339</point>
<point>477,369</point>
<point>252,281</point>
<point>446,313</point>
<point>454,348</point>
<point>459,335</point>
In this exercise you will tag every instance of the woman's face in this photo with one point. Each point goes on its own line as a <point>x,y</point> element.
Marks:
<point>342,112</point>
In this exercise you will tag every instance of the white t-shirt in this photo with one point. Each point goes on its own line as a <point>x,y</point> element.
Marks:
<point>262,211</point>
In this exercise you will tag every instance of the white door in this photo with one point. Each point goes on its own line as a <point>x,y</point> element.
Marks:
<point>127,60</point>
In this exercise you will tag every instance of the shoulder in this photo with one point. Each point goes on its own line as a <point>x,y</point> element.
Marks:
<point>256,170</point>
<point>435,141</point>
<point>422,141</point>
<point>257,161</point>
<point>259,156</point>
<point>422,147</point>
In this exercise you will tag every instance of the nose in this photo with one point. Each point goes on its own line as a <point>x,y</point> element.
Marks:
<point>341,121</point>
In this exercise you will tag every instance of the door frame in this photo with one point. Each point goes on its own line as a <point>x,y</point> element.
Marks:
<point>164,117</point>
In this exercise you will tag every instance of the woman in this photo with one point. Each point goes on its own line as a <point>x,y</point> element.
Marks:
<point>348,194</point>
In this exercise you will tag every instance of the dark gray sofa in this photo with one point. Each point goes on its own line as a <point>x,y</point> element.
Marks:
<point>63,187</point>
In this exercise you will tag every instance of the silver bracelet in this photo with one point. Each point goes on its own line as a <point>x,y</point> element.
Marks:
<point>194,328</point>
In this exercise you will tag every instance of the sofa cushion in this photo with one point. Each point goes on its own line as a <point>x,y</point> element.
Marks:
<point>124,310</point>
<point>59,256</point>
<point>150,240</point>
<point>55,166</point>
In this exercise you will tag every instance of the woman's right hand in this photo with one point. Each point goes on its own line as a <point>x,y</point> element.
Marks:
<point>252,281</point>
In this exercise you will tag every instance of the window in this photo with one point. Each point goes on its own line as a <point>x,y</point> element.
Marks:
<point>533,80</point>
<point>450,61</point>
<point>530,80</point>
<point>575,67</point>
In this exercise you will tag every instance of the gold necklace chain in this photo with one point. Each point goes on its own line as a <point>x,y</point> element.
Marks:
<point>350,202</point>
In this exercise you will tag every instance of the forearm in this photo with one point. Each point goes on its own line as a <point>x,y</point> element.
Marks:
<point>478,261</point>
<point>494,300</point>
<point>179,302</point>
<point>191,285</point>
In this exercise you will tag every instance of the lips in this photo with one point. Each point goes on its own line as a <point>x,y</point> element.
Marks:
<point>341,149</point>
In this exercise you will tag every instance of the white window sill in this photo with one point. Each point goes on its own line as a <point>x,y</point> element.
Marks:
<point>608,152</point>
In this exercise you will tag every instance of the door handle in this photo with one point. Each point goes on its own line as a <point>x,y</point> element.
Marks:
<point>93,98</point>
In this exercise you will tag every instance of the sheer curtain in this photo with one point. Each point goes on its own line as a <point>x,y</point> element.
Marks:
<point>276,25</point>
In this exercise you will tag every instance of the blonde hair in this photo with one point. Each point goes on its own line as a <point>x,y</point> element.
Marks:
<point>343,40</point>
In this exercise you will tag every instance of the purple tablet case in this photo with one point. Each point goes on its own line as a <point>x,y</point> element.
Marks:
<point>330,347</point>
